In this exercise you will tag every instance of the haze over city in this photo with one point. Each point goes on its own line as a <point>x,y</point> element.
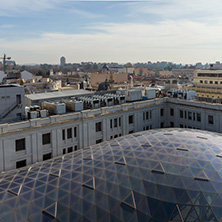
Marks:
<point>104,31</point>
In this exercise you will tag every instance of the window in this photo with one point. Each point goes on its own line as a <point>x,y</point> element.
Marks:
<point>47,156</point>
<point>216,82</point>
<point>69,133</point>
<point>210,119</point>
<point>181,125</point>
<point>120,134</point>
<point>70,149</point>
<point>46,138</point>
<point>185,114</point>
<point>151,127</point>
<point>21,163</point>
<point>76,147</point>
<point>19,115</point>
<point>130,119</point>
<point>63,134</point>
<point>99,127</point>
<point>198,117</point>
<point>99,141</point>
<point>162,125</point>
<point>147,115</point>
<point>201,81</point>
<point>131,131</point>
<point>64,151</point>
<point>75,131</point>
<point>119,121</point>
<point>111,123</point>
<point>181,113</point>
<point>115,136</point>
<point>172,112</point>
<point>20,144</point>
<point>211,82</point>
<point>162,112</point>
<point>18,99</point>
<point>189,115</point>
<point>171,124</point>
<point>115,122</point>
<point>205,82</point>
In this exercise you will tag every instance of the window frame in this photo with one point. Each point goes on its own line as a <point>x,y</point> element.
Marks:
<point>45,140</point>
<point>69,133</point>
<point>18,146</point>
<point>99,126</point>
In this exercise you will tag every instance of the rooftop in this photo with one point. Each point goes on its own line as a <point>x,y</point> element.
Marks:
<point>10,85</point>
<point>59,94</point>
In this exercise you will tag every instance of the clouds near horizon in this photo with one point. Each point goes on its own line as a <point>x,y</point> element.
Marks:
<point>113,31</point>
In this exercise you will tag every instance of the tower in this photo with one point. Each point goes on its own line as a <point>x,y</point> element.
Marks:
<point>62,61</point>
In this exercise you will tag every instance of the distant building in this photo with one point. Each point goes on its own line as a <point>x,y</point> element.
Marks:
<point>208,84</point>
<point>121,69</point>
<point>165,73</point>
<point>103,86</point>
<point>171,84</point>
<point>12,77</point>
<point>140,71</point>
<point>10,63</point>
<point>15,77</point>
<point>43,85</point>
<point>188,72</point>
<point>27,76</point>
<point>62,61</point>
<point>97,78</point>
<point>217,66</point>
<point>105,68</point>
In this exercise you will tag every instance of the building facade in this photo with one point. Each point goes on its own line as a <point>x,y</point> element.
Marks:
<point>35,140</point>
<point>62,61</point>
<point>97,78</point>
<point>208,85</point>
<point>12,103</point>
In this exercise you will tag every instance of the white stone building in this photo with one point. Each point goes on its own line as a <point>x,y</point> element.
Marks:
<point>31,141</point>
<point>12,102</point>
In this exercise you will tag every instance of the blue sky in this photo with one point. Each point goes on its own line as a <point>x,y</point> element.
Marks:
<point>103,31</point>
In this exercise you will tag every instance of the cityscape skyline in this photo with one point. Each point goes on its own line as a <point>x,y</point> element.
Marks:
<point>111,31</point>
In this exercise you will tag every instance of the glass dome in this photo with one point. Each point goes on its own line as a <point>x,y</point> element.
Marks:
<point>156,175</point>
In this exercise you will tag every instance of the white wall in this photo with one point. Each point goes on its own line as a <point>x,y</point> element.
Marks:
<point>8,98</point>
<point>86,120</point>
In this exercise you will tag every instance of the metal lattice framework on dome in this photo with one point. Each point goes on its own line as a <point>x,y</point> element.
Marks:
<point>156,175</point>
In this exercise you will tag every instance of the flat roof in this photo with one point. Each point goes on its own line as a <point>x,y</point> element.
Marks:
<point>209,71</point>
<point>10,85</point>
<point>59,94</point>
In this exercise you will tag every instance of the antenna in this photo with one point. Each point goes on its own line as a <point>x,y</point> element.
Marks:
<point>4,62</point>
